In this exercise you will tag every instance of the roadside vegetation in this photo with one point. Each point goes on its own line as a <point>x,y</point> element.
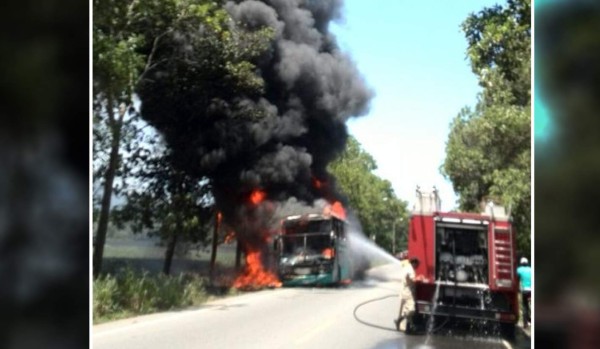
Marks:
<point>133,283</point>
<point>130,293</point>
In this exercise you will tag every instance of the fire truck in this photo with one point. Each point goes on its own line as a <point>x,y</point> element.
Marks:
<point>312,249</point>
<point>467,264</point>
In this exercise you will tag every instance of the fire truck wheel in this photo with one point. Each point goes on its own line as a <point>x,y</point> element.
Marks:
<point>507,331</point>
<point>416,324</point>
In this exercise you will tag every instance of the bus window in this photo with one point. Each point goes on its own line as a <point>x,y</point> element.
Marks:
<point>317,243</point>
<point>293,244</point>
<point>310,226</point>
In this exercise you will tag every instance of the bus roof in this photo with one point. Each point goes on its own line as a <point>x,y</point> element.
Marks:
<point>313,216</point>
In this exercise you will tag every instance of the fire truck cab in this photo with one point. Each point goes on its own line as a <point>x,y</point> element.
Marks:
<point>467,262</point>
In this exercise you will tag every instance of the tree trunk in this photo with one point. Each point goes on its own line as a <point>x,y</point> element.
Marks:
<point>176,207</point>
<point>113,163</point>
<point>213,254</point>
<point>170,252</point>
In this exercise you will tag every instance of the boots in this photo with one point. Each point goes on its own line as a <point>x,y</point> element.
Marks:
<point>397,324</point>
<point>400,324</point>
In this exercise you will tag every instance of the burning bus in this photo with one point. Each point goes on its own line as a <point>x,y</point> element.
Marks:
<point>468,264</point>
<point>312,249</point>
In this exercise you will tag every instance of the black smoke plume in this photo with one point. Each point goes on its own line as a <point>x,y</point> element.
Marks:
<point>311,89</point>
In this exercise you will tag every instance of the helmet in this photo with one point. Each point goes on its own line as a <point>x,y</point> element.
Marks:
<point>524,261</point>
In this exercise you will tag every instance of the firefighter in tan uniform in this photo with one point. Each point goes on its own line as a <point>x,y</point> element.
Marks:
<point>407,293</point>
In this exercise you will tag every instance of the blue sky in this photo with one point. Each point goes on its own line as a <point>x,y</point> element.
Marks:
<point>413,55</point>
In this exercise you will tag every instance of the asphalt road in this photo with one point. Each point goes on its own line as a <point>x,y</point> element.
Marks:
<point>358,316</point>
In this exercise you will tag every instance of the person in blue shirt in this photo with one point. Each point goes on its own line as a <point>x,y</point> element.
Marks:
<point>524,274</point>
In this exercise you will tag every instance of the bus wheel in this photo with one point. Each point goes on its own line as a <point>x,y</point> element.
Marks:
<point>345,282</point>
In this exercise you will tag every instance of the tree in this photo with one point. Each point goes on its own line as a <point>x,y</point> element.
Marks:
<point>116,65</point>
<point>499,51</point>
<point>198,74</point>
<point>132,40</point>
<point>380,212</point>
<point>167,203</point>
<point>489,147</point>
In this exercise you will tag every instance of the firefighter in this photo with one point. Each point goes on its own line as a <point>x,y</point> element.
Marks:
<point>524,273</point>
<point>407,294</point>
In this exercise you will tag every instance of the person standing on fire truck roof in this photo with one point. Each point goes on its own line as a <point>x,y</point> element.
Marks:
<point>407,294</point>
<point>524,273</point>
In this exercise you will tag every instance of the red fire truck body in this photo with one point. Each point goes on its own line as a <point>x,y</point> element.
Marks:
<point>467,262</point>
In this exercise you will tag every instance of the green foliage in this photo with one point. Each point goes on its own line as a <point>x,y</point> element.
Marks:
<point>131,293</point>
<point>488,155</point>
<point>133,40</point>
<point>379,211</point>
<point>198,74</point>
<point>116,63</point>
<point>488,152</point>
<point>105,300</point>
<point>165,202</point>
<point>499,50</point>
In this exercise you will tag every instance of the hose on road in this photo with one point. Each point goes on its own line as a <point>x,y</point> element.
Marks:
<point>371,301</point>
<point>382,327</point>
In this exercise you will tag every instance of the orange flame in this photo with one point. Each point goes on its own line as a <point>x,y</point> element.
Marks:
<point>336,209</point>
<point>229,237</point>
<point>317,183</point>
<point>257,196</point>
<point>328,253</point>
<point>255,275</point>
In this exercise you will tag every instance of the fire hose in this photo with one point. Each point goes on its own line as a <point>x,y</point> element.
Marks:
<point>371,301</point>
<point>382,327</point>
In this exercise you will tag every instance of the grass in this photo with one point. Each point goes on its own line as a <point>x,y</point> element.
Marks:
<point>132,283</point>
<point>130,293</point>
<point>129,247</point>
